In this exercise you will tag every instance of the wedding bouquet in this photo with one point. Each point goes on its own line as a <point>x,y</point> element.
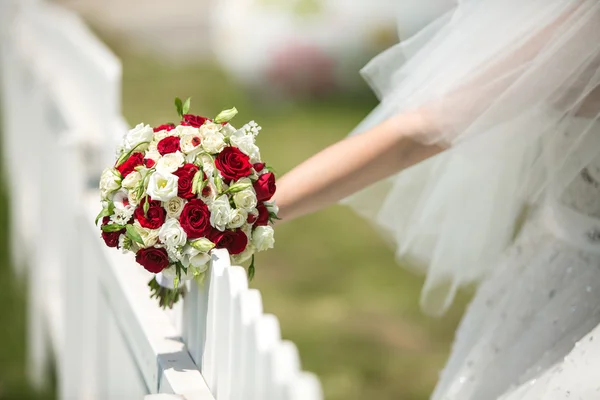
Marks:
<point>178,191</point>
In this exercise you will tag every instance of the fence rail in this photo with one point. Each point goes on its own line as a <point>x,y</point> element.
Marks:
<point>89,305</point>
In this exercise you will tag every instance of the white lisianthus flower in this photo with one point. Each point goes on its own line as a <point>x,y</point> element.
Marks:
<point>170,163</point>
<point>172,234</point>
<point>132,180</point>
<point>237,218</point>
<point>209,193</point>
<point>213,142</point>
<point>174,207</point>
<point>190,144</point>
<point>208,164</point>
<point>228,130</point>
<point>140,134</point>
<point>195,260</point>
<point>149,236</point>
<point>110,180</point>
<point>162,187</point>
<point>220,212</point>
<point>246,144</point>
<point>245,200</point>
<point>123,212</point>
<point>263,238</point>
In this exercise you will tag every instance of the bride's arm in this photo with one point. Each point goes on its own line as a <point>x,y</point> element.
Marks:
<point>352,164</point>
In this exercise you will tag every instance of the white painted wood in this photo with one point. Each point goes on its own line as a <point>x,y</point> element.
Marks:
<point>89,305</point>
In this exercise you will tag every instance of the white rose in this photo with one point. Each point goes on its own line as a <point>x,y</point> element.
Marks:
<point>190,144</point>
<point>170,163</point>
<point>140,134</point>
<point>209,128</point>
<point>149,236</point>
<point>160,135</point>
<point>246,144</point>
<point>237,218</point>
<point>220,211</point>
<point>174,207</point>
<point>172,234</point>
<point>132,180</point>
<point>110,180</point>
<point>162,187</point>
<point>184,130</point>
<point>213,142</point>
<point>153,155</point>
<point>263,238</point>
<point>246,200</point>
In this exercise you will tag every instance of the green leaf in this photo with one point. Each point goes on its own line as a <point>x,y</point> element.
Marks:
<point>104,213</point>
<point>251,270</point>
<point>179,106</point>
<point>186,105</point>
<point>133,234</point>
<point>112,228</point>
<point>226,115</point>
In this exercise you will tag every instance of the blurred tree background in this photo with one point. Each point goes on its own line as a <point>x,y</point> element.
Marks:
<point>331,280</point>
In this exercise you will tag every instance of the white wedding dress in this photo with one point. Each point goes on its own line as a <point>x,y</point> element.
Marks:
<point>514,203</point>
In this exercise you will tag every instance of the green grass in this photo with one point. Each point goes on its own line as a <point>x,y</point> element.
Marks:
<point>331,281</point>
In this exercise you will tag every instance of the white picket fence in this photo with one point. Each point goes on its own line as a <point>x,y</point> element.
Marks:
<point>89,306</point>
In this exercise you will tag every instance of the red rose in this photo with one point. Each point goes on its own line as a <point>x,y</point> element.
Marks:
<point>186,179</point>
<point>263,215</point>
<point>258,166</point>
<point>111,238</point>
<point>153,259</point>
<point>234,241</point>
<point>170,144</point>
<point>149,163</point>
<point>129,165</point>
<point>233,164</point>
<point>265,186</point>
<point>195,219</point>
<point>164,127</point>
<point>155,216</point>
<point>194,120</point>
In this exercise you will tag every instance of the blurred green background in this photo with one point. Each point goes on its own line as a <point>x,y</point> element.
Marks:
<point>331,280</point>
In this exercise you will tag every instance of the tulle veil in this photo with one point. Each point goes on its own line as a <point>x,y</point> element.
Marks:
<point>512,86</point>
